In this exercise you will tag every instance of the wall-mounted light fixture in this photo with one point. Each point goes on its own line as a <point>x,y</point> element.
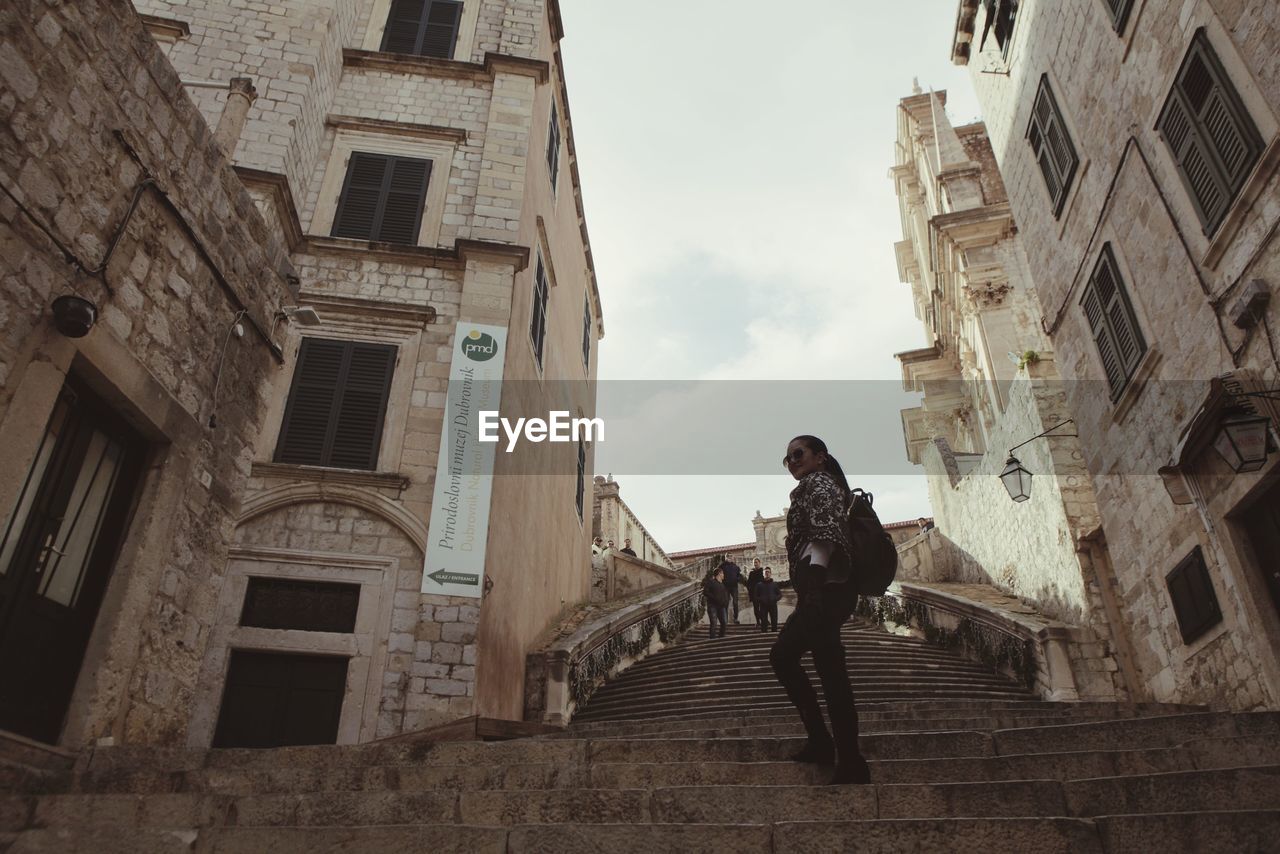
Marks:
<point>73,315</point>
<point>303,314</point>
<point>1015,477</point>
<point>1242,441</point>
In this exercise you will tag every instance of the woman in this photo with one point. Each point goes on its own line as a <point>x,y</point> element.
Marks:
<point>818,550</point>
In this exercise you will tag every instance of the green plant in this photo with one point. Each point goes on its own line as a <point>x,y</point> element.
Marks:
<point>1029,357</point>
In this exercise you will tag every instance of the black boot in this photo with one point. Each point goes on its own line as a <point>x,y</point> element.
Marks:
<point>851,771</point>
<point>819,749</point>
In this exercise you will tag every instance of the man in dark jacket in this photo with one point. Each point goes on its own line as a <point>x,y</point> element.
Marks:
<point>717,601</point>
<point>732,575</point>
<point>753,578</point>
<point>767,596</point>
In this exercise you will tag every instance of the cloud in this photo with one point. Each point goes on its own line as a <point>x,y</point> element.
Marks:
<point>734,162</point>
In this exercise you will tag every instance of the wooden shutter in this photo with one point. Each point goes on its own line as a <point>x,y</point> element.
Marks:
<point>357,430</point>
<point>422,27</point>
<point>382,198</point>
<point>582,473</point>
<point>304,436</point>
<point>1112,323</point>
<point>1054,152</point>
<point>538,320</point>
<point>586,332</point>
<point>336,405</point>
<point>358,206</point>
<point>441,30</point>
<point>553,146</point>
<point>404,23</point>
<point>1210,136</point>
<point>1119,13</point>
<point>406,193</point>
<point>1194,602</point>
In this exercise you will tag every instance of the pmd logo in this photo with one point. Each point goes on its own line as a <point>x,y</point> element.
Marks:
<point>479,346</point>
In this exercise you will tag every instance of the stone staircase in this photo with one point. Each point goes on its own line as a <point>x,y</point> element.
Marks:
<point>687,752</point>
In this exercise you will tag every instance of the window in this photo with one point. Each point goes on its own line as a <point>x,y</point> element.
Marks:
<point>586,332</point>
<point>1212,139</point>
<point>281,699</point>
<point>1000,18</point>
<point>1119,10</point>
<point>1112,323</point>
<point>336,405</point>
<point>582,475</point>
<point>422,27</point>
<point>538,320</point>
<point>1194,602</point>
<point>309,606</point>
<point>1052,146</point>
<point>553,146</point>
<point>382,198</point>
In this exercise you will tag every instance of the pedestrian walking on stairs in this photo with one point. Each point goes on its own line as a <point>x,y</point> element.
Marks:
<point>819,550</point>
<point>767,595</point>
<point>717,602</point>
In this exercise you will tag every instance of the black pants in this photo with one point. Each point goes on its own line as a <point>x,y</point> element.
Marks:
<point>716,613</point>
<point>815,627</point>
<point>733,598</point>
<point>767,615</point>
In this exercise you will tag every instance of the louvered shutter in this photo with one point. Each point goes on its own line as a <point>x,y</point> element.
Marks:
<point>1102,337</point>
<point>441,30</point>
<point>404,25</point>
<point>553,146</point>
<point>358,428</point>
<point>1054,152</point>
<point>406,193</point>
<point>538,320</point>
<point>305,432</point>
<point>586,332</point>
<point>358,206</point>
<point>382,198</point>
<point>1119,13</point>
<point>422,27</point>
<point>337,404</point>
<point>1211,138</point>
<point>579,499</point>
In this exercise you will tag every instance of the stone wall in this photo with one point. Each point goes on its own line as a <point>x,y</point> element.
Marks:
<point>613,520</point>
<point>1182,283</point>
<point>88,108</point>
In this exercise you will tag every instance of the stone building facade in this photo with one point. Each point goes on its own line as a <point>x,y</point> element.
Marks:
<point>411,181</point>
<point>1139,143</point>
<point>127,448</point>
<point>456,113</point>
<point>612,519</point>
<point>989,383</point>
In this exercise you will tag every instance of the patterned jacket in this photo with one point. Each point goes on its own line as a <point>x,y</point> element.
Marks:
<point>817,515</point>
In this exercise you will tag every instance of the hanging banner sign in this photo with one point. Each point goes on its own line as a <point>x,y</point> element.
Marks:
<point>459,528</point>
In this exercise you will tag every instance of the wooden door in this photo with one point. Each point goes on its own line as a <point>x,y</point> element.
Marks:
<point>57,550</point>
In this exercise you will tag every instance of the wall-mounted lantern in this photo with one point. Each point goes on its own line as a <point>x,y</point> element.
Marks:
<point>1015,477</point>
<point>1242,441</point>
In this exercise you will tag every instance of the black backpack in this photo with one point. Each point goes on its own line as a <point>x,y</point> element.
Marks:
<point>875,557</point>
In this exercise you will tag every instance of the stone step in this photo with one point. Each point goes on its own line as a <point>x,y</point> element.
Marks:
<point>1169,833</point>
<point>771,700</point>
<point>1256,788</point>
<point>767,686</point>
<point>946,718</point>
<point>897,711</point>
<point>1198,755</point>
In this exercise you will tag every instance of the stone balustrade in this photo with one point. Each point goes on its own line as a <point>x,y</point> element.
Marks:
<point>1057,660</point>
<point>561,677</point>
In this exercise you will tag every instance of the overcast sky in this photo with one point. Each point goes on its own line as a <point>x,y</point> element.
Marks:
<point>734,161</point>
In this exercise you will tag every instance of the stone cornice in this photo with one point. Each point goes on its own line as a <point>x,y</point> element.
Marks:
<point>410,129</point>
<point>962,39</point>
<point>349,477</point>
<point>277,186</point>
<point>389,313</point>
<point>165,27</point>
<point>976,226</point>
<point>425,256</point>
<point>403,63</point>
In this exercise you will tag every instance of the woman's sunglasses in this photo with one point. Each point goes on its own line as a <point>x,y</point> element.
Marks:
<point>794,457</point>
